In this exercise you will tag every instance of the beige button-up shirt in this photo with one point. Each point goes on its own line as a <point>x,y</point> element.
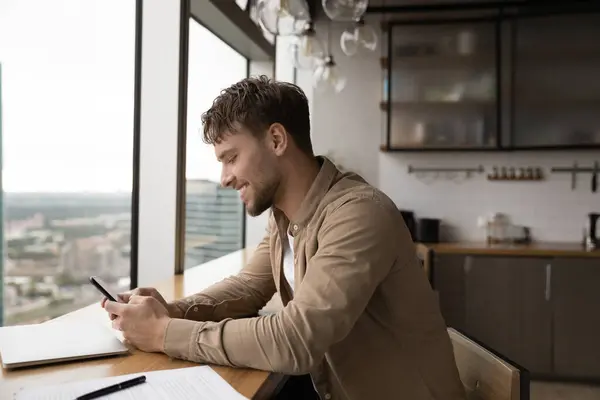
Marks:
<point>362,320</point>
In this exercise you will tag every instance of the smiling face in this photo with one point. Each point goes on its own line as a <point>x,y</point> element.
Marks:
<point>250,125</point>
<point>250,167</point>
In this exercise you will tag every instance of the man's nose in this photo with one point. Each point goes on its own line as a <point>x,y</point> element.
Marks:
<point>226,178</point>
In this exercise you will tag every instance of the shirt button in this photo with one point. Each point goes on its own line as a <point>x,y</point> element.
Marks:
<point>295,227</point>
<point>196,309</point>
<point>328,396</point>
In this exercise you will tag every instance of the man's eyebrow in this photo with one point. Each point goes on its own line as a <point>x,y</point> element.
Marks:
<point>224,154</point>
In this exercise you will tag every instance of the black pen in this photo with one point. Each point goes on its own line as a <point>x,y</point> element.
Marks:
<point>113,388</point>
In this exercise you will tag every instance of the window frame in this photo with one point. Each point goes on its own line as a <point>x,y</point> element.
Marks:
<point>186,17</point>
<point>135,192</point>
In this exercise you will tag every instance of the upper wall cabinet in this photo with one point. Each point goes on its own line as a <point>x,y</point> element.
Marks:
<point>556,86</point>
<point>442,86</point>
<point>493,83</point>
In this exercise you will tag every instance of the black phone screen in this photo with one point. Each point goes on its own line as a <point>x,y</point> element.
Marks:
<point>103,288</point>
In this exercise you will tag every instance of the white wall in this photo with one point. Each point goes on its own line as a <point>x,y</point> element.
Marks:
<point>550,208</point>
<point>349,126</point>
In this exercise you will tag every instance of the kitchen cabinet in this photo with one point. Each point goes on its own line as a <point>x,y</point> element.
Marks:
<point>507,308</point>
<point>535,318</point>
<point>448,281</point>
<point>540,312</point>
<point>442,86</point>
<point>510,81</point>
<point>492,301</point>
<point>576,310</point>
<point>556,90</point>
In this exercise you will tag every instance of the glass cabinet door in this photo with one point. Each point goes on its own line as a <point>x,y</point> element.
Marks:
<point>443,86</point>
<point>556,88</point>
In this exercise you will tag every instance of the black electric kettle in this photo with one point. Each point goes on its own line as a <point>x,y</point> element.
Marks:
<point>592,237</point>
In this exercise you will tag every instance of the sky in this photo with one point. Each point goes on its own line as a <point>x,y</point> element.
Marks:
<point>206,78</point>
<point>67,94</point>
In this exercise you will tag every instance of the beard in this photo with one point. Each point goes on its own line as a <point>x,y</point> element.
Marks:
<point>265,195</point>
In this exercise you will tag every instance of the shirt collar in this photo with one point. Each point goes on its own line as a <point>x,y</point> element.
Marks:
<point>313,198</point>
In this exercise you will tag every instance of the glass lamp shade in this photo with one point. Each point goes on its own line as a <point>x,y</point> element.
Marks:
<point>327,77</point>
<point>306,50</point>
<point>344,10</point>
<point>282,17</point>
<point>361,35</point>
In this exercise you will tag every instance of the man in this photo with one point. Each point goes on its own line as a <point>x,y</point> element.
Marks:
<point>359,319</point>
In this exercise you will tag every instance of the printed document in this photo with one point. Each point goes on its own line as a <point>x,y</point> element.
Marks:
<point>201,383</point>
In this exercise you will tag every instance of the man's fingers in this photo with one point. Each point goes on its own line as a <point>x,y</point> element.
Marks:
<point>103,302</point>
<point>115,308</point>
<point>116,324</point>
<point>124,297</point>
<point>136,299</point>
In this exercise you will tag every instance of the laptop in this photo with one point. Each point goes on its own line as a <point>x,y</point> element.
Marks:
<point>59,341</point>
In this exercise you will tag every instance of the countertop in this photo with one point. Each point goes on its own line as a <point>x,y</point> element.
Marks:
<point>551,249</point>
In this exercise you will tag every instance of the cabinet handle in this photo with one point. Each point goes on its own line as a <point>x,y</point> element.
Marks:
<point>547,293</point>
<point>467,265</point>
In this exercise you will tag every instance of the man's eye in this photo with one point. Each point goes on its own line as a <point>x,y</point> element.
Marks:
<point>232,159</point>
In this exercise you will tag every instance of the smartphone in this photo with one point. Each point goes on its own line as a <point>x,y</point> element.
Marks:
<point>103,288</point>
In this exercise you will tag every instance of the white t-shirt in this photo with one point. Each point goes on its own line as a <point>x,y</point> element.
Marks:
<point>288,260</point>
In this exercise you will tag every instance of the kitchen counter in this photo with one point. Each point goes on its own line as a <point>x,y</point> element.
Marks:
<point>541,249</point>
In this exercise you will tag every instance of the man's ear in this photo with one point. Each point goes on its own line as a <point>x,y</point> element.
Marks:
<point>277,138</point>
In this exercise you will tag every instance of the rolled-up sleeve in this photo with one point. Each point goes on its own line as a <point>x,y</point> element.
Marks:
<point>357,248</point>
<point>238,296</point>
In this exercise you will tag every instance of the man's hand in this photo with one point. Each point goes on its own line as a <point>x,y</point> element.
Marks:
<point>174,312</point>
<point>143,321</point>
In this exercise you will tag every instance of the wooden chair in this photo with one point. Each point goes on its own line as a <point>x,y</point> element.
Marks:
<point>485,374</point>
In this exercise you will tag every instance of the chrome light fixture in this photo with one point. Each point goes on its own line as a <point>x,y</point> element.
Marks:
<point>328,76</point>
<point>360,35</point>
<point>307,49</point>
<point>282,17</point>
<point>345,10</point>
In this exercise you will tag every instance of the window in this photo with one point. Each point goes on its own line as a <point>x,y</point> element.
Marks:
<point>214,223</point>
<point>67,94</point>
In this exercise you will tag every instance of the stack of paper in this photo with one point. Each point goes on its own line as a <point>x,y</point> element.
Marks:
<point>201,383</point>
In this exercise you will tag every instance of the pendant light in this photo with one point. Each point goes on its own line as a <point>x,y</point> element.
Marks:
<point>306,49</point>
<point>359,36</point>
<point>327,76</point>
<point>344,10</point>
<point>282,17</point>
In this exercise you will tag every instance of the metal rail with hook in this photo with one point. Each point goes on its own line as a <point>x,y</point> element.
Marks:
<point>575,169</point>
<point>467,170</point>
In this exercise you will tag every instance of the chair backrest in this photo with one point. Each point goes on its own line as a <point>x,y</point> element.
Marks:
<point>485,374</point>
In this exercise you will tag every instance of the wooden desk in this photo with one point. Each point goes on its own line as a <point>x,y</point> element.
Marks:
<point>250,383</point>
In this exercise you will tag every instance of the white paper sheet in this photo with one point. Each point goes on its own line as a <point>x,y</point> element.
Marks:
<point>201,383</point>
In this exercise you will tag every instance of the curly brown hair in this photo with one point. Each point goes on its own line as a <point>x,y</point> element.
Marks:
<point>255,103</point>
